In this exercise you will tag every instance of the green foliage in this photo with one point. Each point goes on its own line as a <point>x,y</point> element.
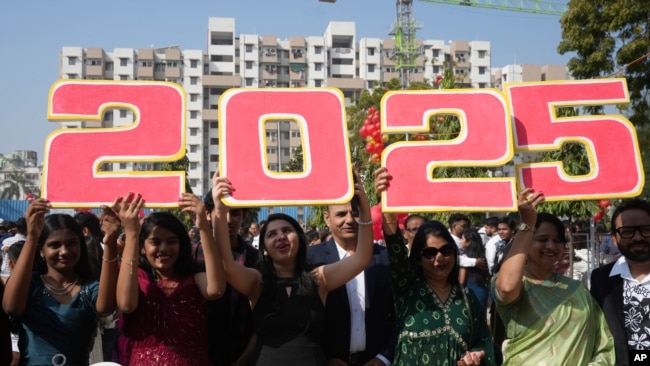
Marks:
<point>609,36</point>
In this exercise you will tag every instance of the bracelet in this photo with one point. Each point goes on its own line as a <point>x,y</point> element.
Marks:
<point>389,222</point>
<point>365,223</point>
<point>130,262</point>
<point>111,260</point>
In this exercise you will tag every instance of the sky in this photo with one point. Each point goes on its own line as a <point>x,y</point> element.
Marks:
<point>32,34</point>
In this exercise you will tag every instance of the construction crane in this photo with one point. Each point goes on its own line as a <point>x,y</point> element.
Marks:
<point>528,6</point>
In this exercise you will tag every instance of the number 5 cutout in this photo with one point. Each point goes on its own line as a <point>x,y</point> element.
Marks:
<point>327,169</point>
<point>610,140</point>
<point>71,175</point>
<point>484,122</point>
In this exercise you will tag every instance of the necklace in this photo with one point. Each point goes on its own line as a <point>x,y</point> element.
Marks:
<point>59,291</point>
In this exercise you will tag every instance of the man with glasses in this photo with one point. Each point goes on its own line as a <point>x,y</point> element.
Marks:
<point>622,288</point>
<point>411,226</point>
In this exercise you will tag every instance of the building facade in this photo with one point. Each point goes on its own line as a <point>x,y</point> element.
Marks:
<point>336,59</point>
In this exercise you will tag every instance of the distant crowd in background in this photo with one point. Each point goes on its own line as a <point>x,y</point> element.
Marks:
<point>138,289</point>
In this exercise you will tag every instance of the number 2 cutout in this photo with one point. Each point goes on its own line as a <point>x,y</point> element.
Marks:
<point>327,169</point>
<point>484,122</point>
<point>610,140</point>
<point>156,135</point>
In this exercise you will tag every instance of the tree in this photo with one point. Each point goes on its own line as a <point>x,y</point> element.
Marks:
<point>14,186</point>
<point>609,36</point>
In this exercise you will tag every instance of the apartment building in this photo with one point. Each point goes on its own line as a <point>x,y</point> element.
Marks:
<point>528,72</point>
<point>335,59</point>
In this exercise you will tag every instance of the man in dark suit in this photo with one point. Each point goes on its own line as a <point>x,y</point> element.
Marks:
<point>359,317</point>
<point>622,288</point>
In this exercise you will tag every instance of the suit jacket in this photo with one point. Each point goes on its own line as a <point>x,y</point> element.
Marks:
<point>381,331</point>
<point>608,292</point>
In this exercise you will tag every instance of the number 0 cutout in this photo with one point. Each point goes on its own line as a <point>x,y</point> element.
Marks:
<point>485,140</point>
<point>616,169</point>
<point>320,115</point>
<point>71,175</point>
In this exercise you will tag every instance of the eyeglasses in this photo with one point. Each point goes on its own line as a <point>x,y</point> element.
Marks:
<point>412,230</point>
<point>627,232</point>
<point>431,252</point>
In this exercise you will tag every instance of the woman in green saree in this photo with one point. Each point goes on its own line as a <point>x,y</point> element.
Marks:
<point>550,319</point>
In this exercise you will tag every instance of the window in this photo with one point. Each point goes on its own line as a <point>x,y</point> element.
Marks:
<point>194,131</point>
<point>249,48</point>
<point>271,150</point>
<point>123,113</point>
<point>284,135</point>
<point>272,135</point>
<point>194,114</point>
<point>435,53</point>
<point>194,182</point>
<point>194,64</point>
<point>370,84</point>
<point>371,51</point>
<point>94,62</point>
<point>436,69</point>
<point>124,77</point>
<point>482,54</point>
<point>249,81</point>
<point>371,68</point>
<point>249,65</point>
<point>194,97</point>
<point>482,85</point>
<point>285,151</point>
<point>273,167</point>
<point>73,76</point>
<point>194,148</point>
<point>122,166</point>
<point>146,63</point>
<point>214,158</point>
<point>295,134</point>
<point>481,70</point>
<point>318,50</point>
<point>193,165</point>
<point>214,141</point>
<point>214,125</point>
<point>108,66</point>
<point>318,66</point>
<point>318,83</point>
<point>72,60</point>
<point>124,61</point>
<point>194,80</point>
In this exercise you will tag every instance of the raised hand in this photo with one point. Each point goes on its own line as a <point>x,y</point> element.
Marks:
<point>221,187</point>
<point>35,216</point>
<point>382,180</point>
<point>528,200</point>
<point>193,206</point>
<point>129,209</point>
<point>111,223</point>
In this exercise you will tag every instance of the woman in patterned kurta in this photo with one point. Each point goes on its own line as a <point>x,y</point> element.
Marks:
<point>439,322</point>
<point>550,319</point>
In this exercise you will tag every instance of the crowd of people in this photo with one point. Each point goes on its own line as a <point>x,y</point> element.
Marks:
<point>153,292</point>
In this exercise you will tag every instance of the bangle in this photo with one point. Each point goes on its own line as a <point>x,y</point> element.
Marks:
<point>130,262</point>
<point>389,222</point>
<point>111,260</point>
<point>365,223</point>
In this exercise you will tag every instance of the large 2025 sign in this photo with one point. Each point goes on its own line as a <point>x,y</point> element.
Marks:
<point>494,125</point>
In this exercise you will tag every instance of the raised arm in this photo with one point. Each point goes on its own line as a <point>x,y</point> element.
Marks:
<point>511,273</point>
<point>334,275</point>
<point>111,225</point>
<point>212,282</point>
<point>14,301</point>
<point>245,280</point>
<point>127,280</point>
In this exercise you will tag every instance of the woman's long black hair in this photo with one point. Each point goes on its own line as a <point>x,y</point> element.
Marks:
<point>439,230</point>
<point>301,272</point>
<point>56,222</point>
<point>184,265</point>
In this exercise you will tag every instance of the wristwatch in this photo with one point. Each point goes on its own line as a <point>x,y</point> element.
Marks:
<point>525,227</point>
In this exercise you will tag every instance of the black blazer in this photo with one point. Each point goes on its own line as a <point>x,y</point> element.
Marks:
<point>608,292</point>
<point>381,331</point>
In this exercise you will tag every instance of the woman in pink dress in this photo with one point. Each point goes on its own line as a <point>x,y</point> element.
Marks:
<point>159,290</point>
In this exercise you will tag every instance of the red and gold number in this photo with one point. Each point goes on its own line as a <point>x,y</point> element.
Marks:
<point>327,168</point>
<point>610,140</point>
<point>71,175</point>
<point>485,140</point>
